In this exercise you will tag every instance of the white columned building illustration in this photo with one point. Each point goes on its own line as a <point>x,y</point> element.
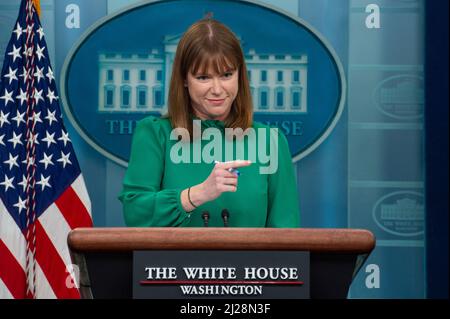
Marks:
<point>139,83</point>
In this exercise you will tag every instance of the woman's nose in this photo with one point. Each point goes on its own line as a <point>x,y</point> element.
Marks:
<point>216,86</point>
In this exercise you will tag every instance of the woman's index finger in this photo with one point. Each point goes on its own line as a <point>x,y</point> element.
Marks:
<point>237,163</point>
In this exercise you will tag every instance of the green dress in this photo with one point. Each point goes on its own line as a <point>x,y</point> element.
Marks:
<point>153,182</point>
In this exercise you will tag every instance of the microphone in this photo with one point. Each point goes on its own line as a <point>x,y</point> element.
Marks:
<point>225,215</point>
<point>205,217</point>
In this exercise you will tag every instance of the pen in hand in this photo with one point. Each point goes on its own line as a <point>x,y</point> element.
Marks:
<point>231,170</point>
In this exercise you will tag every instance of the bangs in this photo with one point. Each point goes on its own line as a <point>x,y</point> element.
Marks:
<point>216,62</point>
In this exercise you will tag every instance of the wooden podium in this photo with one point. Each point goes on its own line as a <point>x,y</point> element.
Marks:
<point>103,254</point>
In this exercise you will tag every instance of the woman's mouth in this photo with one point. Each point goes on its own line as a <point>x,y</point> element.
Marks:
<point>216,101</point>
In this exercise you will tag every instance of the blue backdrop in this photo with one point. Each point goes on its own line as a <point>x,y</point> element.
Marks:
<point>369,172</point>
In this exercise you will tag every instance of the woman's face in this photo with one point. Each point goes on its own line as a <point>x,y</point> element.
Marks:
<point>212,94</point>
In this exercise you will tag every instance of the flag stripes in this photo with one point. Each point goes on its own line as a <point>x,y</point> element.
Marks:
<point>73,209</point>
<point>52,252</point>
<point>14,281</point>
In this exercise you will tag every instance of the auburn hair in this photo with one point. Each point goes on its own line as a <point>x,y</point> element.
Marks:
<point>208,44</point>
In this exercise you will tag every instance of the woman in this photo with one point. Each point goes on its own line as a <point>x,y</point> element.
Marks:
<point>209,91</point>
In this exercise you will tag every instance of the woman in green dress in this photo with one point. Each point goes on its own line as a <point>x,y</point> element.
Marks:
<point>207,154</point>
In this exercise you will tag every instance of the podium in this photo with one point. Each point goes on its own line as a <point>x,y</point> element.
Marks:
<point>104,256</point>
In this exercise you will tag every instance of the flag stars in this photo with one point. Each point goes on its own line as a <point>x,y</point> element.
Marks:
<point>64,137</point>
<point>49,138</point>
<point>29,161</point>
<point>51,117</point>
<point>37,96</point>
<point>44,182</point>
<point>39,52</point>
<point>50,75</point>
<point>47,160</point>
<point>23,183</point>
<point>27,51</point>
<point>7,97</point>
<point>25,73</point>
<point>39,74</point>
<point>43,100</point>
<point>18,31</point>
<point>8,183</point>
<point>19,118</point>
<point>12,161</point>
<point>64,159</point>
<point>4,119</point>
<point>11,75</point>
<point>16,139</point>
<point>15,53</point>
<point>37,117</point>
<point>30,28</point>
<point>41,32</point>
<point>21,204</point>
<point>33,139</point>
<point>22,96</point>
<point>51,96</point>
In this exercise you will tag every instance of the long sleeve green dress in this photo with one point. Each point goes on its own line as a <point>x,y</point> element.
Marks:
<point>153,182</point>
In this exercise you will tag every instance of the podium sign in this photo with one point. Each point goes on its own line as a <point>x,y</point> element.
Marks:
<point>197,274</point>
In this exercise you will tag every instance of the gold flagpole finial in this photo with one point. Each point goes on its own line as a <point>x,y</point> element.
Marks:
<point>37,6</point>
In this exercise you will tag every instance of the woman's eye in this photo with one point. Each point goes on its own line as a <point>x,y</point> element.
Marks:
<point>227,74</point>
<point>202,77</point>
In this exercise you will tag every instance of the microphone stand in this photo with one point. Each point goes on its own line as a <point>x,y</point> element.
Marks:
<point>225,215</point>
<point>205,217</point>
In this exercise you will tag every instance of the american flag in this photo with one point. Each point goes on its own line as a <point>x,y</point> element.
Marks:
<point>42,191</point>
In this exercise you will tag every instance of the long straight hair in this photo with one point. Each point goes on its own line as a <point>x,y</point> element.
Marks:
<point>208,44</point>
